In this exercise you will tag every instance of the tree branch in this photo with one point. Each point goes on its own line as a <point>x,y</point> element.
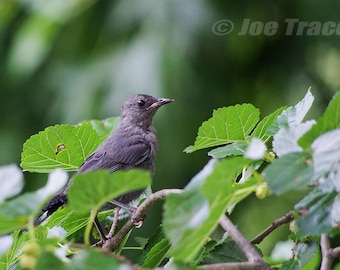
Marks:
<point>235,266</point>
<point>328,253</point>
<point>276,223</point>
<point>138,216</point>
<point>239,239</point>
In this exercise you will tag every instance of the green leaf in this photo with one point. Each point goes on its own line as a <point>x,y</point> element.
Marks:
<point>190,217</point>
<point>328,121</point>
<point>290,265</point>
<point>308,254</point>
<point>292,115</point>
<point>289,172</point>
<point>60,146</point>
<point>73,223</point>
<point>227,125</point>
<point>14,214</point>
<point>90,191</point>
<point>11,256</point>
<point>157,254</point>
<point>104,127</point>
<point>326,151</point>
<point>335,211</point>
<point>285,140</point>
<point>92,259</point>
<point>47,260</point>
<point>227,251</point>
<point>155,250</point>
<point>261,130</point>
<point>314,210</point>
<point>232,149</point>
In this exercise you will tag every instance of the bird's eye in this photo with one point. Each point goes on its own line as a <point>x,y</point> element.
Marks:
<point>141,103</point>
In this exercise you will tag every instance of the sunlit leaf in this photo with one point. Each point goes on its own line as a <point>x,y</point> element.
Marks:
<point>261,129</point>
<point>328,121</point>
<point>285,140</point>
<point>227,125</point>
<point>292,115</point>
<point>60,146</point>
<point>326,151</point>
<point>256,149</point>
<point>11,181</point>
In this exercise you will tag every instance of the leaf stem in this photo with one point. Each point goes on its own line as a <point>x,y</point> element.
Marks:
<point>89,227</point>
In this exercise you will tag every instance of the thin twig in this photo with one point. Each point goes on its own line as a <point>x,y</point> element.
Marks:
<point>327,258</point>
<point>276,223</point>
<point>239,239</point>
<point>114,223</point>
<point>112,243</point>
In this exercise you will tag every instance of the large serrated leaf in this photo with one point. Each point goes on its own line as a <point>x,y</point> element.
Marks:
<point>285,140</point>
<point>91,190</point>
<point>290,172</point>
<point>227,125</point>
<point>191,216</point>
<point>328,121</point>
<point>292,115</point>
<point>72,222</point>
<point>326,151</point>
<point>315,209</point>
<point>261,129</point>
<point>60,146</point>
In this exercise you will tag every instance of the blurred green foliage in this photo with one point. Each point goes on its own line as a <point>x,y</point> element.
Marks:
<point>65,61</point>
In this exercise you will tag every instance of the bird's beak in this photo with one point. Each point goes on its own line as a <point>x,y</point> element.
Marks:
<point>160,102</point>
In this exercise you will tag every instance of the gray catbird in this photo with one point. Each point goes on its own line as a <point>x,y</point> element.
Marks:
<point>133,144</point>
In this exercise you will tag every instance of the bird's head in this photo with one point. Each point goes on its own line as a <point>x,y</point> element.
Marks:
<point>139,109</point>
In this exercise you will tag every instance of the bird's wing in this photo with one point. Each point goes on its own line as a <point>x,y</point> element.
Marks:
<point>117,154</point>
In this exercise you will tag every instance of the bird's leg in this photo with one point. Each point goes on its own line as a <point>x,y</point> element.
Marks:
<point>123,205</point>
<point>100,230</point>
<point>114,223</point>
<point>132,209</point>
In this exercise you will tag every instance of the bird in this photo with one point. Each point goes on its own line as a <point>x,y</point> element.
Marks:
<point>132,145</point>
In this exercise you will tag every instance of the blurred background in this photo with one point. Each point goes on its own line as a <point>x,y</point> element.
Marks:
<point>64,61</point>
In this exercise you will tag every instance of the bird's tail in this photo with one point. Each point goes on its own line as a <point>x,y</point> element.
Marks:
<point>52,206</point>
